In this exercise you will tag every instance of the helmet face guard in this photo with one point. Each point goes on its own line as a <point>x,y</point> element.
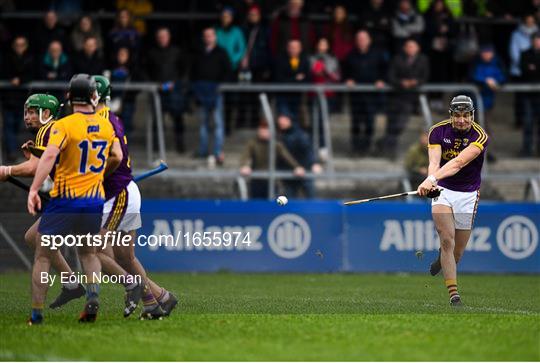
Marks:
<point>103,86</point>
<point>461,106</point>
<point>41,101</point>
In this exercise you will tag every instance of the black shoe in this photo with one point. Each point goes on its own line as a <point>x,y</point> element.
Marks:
<point>89,314</point>
<point>66,295</point>
<point>435,266</point>
<point>132,299</point>
<point>156,313</point>
<point>170,304</point>
<point>455,301</point>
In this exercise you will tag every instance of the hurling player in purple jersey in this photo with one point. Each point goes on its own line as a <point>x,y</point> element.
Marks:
<point>121,213</point>
<point>456,150</point>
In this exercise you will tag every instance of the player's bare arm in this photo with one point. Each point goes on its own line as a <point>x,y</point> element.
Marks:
<point>449,169</point>
<point>44,168</point>
<point>114,159</point>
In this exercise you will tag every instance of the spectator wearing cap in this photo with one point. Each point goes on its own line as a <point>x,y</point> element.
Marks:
<point>165,63</point>
<point>18,69</point>
<point>48,31</point>
<point>530,70</point>
<point>257,58</point>
<point>408,70</point>
<point>86,27</point>
<point>256,64</point>
<point>364,66</point>
<point>89,60</point>
<point>231,39</point>
<point>291,67</point>
<point>406,24</point>
<point>298,143</point>
<point>256,157</point>
<point>211,66</point>
<point>290,23</point>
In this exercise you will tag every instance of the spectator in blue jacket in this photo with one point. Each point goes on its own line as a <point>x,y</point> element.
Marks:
<point>299,145</point>
<point>488,73</point>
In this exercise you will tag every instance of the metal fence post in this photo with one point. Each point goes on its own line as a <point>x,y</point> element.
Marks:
<point>272,147</point>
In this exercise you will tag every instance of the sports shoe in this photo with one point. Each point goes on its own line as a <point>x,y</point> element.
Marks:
<point>66,295</point>
<point>435,266</point>
<point>35,320</point>
<point>156,313</point>
<point>169,305</point>
<point>455,301</point>
<point>132,298</point>
<point>89,314</point>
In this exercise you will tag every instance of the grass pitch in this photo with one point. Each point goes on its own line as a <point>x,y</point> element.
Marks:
<point>288,317</point>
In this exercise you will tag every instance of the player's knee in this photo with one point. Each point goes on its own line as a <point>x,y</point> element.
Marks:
<point>30,239</point>
<point>447,241</point>
<point>125,259</point>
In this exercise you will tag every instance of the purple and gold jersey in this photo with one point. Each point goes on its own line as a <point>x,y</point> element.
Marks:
<point>122,176</point>
<point>42,140</point>
<point>452,143</point>
<point>42,137</point>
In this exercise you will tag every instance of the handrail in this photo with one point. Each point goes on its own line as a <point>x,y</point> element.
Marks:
<point>338,87</point>
<point>151,87</point>
<point>534,186</point>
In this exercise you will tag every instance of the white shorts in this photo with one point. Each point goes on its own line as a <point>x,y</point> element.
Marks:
<point>463,204</point>
<point>123,212</point>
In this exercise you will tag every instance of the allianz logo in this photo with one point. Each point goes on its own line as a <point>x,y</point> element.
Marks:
<point>412,235</point>
<point>289,236</point>
<point>517,237</point>
<point>183,230</point>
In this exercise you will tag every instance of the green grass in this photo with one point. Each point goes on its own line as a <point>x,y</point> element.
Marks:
<point>288,317</point>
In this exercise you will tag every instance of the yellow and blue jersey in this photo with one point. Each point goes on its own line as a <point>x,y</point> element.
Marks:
<point>84,141</point>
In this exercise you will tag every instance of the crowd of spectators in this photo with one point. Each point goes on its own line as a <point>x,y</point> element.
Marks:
<point>398,43</point>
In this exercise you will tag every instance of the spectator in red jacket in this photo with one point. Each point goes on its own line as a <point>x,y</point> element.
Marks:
<point>340,33</point>
<point>290,23</point>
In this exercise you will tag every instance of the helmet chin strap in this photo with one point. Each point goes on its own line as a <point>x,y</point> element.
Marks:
<point>94,101</point>
<point>43,122</point>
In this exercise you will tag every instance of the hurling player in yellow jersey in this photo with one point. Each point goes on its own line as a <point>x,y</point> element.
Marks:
<point>82,148</point>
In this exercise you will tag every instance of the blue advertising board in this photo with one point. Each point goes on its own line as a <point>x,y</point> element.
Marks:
<point>325,236</point>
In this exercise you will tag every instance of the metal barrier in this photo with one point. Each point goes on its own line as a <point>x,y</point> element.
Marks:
<point>150,87</point>
<point>272,174</point>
